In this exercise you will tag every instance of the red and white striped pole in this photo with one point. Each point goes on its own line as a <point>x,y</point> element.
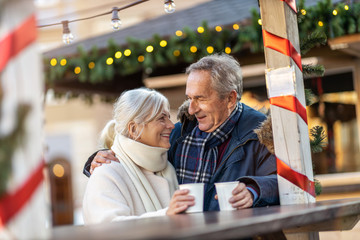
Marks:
<point>23,207</point>
<point>284,81</point>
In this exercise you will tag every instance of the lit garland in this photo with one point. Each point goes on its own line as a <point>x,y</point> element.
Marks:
<point>186,46</point>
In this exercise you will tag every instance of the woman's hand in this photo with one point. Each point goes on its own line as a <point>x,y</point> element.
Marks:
<point>104,156</point>
<point>180,201</point>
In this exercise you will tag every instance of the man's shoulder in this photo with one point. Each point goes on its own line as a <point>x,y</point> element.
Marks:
<point>249,120</point>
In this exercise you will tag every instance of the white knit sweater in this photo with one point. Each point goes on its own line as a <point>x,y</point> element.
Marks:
<point>111,194</point>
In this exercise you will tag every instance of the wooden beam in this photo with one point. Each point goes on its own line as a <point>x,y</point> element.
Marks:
<point>285,79</point>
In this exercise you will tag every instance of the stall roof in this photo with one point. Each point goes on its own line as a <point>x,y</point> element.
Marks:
<point>212,12</point>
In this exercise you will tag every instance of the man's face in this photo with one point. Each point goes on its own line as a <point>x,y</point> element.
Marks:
<point>209,109</point>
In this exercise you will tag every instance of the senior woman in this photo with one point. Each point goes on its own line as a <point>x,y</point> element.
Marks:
<point>142,182</point>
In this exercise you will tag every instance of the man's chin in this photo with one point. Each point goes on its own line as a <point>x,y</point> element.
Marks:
<point>203,128</point>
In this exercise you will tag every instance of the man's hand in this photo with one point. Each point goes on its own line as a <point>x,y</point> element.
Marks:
<point>104,156</point>
<point>180,201</point>
<point>242,197</point>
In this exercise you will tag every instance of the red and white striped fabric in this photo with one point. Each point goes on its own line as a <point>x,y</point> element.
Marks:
<point>23,209</point>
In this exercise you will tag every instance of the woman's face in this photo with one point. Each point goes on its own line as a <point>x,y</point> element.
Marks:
<point>157,132</point>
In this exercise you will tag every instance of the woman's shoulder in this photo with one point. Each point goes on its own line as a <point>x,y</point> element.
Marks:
<point>113,171</point>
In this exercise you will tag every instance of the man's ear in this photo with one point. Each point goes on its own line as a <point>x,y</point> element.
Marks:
<point>232,99</point>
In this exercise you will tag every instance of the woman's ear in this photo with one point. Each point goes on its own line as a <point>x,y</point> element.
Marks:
<point>132,129</point>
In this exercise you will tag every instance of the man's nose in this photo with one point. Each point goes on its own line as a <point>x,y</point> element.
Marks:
<point>193,107</point>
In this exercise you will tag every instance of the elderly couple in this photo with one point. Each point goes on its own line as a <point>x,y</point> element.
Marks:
<point>150,156</point>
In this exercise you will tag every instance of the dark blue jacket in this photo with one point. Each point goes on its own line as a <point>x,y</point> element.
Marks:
<point>245,159</point>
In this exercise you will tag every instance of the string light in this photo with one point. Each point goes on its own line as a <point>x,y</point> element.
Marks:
<point>91,65</point>
<point>179,33</point>
<point>118,54</point>
<point>227,50</point>
<point>115,20</point>
<point>163,43</point>
<point>169,6</point>
<point>67,37</point>
<point>63,62</point>
<point>218,28</point>
<point>200,29</point>
<point>176,53</point>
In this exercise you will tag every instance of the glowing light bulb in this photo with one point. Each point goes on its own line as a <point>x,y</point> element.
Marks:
<point>169,6</point>
<point>67,37</point>
<point>115,20</point>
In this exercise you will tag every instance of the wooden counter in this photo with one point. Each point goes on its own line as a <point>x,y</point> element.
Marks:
<point>321,216</point>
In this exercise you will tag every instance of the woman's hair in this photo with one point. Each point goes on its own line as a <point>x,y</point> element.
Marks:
<point>141,106</point>
<point>225,73</point>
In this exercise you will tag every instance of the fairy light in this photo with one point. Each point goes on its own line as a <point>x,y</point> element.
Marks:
<point>109,61</point>
<point>176,53</point>
<point>63,62</point>
<point>141,58</point>
<point>179,33</point>
<point>335,12</point>
<point>236,26</point>
<point>91,65</point>
<point>346,7</point>
<point>169,6</point>
<point>218,28</point>
<point>320,23</point>
<point>149,48</point>
<point>163,43</point>
<point>210,49</point>
<point>200,29</point>
<point>227,50</point>
<point>259,22</point>
<point>303,12</point>
<point>118,54</point>
<point>193,49</point>
<point>127,52</point>
<point>53,62</point>
<point>77,70</point>
<point>115,20</point>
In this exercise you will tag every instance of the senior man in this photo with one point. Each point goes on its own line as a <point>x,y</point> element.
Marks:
<point>215,140</point>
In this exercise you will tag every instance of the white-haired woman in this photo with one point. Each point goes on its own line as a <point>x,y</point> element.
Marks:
<point>142,182</point>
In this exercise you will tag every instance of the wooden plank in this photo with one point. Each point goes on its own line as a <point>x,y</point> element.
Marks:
<point>266,221</point>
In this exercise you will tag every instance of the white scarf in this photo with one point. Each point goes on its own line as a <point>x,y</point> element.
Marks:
<point>132,155</point>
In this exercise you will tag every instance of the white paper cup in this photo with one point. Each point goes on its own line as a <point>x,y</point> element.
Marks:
<point>224,192</point>
<point>196,190</point>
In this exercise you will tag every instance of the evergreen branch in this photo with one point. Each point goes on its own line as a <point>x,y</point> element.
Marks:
<point>8,145</point>
<point>312,40</point>
<point>317,142</point>
<point>313,70</point>
<point>310,97</point>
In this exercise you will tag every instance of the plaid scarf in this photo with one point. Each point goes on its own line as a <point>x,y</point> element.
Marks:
<point>199,150</point>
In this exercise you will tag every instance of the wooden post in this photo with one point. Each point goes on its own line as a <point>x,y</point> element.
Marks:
<point>284,81</point>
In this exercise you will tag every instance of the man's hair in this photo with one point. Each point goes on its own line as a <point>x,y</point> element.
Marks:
<point>141,106</point>
<point>225,73</point>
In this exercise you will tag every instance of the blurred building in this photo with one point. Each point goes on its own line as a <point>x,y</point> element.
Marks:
<point>72,124</point>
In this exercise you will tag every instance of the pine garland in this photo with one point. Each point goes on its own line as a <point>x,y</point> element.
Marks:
<point>177,51</point>
<point>9,143</point>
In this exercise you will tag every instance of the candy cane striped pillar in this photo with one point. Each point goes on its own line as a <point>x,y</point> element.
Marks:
<point>284,81</point>
<point>23,208</point>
